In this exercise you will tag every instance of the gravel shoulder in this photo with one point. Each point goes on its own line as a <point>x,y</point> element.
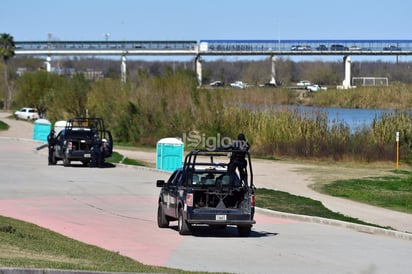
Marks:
<point>294,178</point>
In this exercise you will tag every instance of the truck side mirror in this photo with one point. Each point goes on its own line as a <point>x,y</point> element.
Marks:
<point>160,183</point>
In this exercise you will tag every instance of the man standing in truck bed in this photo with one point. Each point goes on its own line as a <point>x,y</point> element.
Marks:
<point>237,159</point>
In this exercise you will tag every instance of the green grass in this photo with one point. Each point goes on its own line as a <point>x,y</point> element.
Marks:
<point>118,158</point>
<point>288,203</point>
<point>26,245</point>
<point>4,126</point>
<point>29,246</point>
<point>392,192</point>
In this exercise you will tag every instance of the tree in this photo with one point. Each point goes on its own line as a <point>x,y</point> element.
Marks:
<point>7,48</point>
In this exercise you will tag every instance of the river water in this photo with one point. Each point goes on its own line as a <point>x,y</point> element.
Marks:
<point>354,118</point>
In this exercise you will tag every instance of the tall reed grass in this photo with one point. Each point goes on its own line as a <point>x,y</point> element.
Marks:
<point>172,105</point>
<point>291,133</point>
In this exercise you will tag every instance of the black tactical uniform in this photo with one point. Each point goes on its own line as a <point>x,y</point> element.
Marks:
<point>237,159</point>
<point>51,141</point>
<point>97,152</point>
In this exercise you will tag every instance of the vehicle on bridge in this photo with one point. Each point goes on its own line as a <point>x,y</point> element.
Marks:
<point>301,47</point>
<point>204,191</point>
<point>338,47</point>
<point>322,47</point>
<point>392,48</point>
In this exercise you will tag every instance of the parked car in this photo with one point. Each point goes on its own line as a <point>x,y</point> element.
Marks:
<point>27,114</point>
<point>304,83</point>
<point>239,84</point>
<point>315,87</point>
<point>216,84</point>
<point>271,84</point>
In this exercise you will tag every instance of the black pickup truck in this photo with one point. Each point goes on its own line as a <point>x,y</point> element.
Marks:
<point>203,192</point>
<point>81,140</point>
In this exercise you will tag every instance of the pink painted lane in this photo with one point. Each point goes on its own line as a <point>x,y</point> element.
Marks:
<point>95,220</point>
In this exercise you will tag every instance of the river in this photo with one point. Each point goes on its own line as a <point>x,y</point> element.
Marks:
<point>354,118</point>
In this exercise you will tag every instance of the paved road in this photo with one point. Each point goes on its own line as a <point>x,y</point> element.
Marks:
<point>273,175</point>
<point>115,208</point>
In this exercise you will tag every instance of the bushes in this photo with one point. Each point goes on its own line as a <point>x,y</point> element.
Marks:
<point>171,105</point>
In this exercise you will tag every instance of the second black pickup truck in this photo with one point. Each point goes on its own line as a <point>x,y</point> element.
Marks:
<point>83,139</point>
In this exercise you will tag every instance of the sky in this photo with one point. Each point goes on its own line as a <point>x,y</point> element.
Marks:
<point>29,20</point>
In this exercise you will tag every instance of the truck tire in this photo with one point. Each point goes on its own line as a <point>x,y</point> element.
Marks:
<point>182,225</point>
<point>162,220</point>
<point>244,230</point>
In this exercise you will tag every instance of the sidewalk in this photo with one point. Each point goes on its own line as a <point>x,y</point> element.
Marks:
<point>282,176</point>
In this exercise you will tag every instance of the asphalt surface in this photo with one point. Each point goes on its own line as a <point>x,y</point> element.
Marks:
<point>115,208</point>
<point>267,174</point>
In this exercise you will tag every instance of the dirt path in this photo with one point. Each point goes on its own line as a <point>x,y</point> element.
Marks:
<point>284,176</point>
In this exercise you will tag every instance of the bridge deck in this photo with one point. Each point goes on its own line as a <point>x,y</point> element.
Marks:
<point>217,47</point>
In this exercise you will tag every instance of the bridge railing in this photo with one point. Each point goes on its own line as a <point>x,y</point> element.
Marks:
<point>222,47</point>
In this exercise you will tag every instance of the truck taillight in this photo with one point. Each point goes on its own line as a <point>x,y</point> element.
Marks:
<point>252,200</point>
<point>70,145</point>
<point>189,199</point>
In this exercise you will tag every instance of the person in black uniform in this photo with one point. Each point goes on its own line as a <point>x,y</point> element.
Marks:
<point>237,158</point>
<point>51,142</point>
<point>97,152</point>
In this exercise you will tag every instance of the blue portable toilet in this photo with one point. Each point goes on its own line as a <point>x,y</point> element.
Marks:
<point>169,154</point>
<point>41,130</point>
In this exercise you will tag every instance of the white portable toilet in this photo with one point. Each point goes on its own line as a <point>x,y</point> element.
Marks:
<point>59,126</point>
<point>169,154</point>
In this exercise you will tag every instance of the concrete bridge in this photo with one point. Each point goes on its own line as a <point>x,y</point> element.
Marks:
<point>197,49</point>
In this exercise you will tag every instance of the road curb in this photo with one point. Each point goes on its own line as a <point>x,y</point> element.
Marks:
<point>319,220</point>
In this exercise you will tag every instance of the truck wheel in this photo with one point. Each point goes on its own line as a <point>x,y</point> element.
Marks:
<point>162,220</point>
<point>183,226</point>
<point>244,231</point>
<point>66,161</point>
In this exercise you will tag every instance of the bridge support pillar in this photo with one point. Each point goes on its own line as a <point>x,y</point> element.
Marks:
<point>346,84</point>
<point>273,73</point>
<point>198,62</point>
<point>123,70</point>
<point>47,63</point>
